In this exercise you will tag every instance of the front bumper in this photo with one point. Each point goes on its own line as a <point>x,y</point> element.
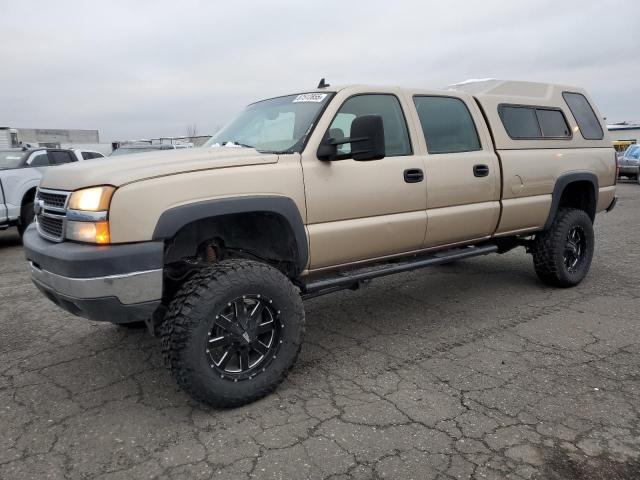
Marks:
<point>115,283</point>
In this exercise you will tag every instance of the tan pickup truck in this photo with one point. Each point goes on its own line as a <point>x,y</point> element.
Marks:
<point>215,248</point>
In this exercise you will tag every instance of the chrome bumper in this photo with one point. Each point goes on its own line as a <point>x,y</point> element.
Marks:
<point>129,288</point>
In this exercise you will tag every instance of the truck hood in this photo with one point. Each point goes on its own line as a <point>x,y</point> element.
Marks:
<point>120,170</point>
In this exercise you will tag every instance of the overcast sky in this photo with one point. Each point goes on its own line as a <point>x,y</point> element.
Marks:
<point>137,69</point>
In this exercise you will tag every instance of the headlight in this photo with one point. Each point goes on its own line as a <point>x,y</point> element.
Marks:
<point>94,199</point>
<point>87,215</point>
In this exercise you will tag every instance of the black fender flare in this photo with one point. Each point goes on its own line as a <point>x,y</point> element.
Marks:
<point>561,184</point>
<point>174,219</point>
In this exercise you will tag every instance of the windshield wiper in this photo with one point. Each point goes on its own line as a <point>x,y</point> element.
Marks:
<point>234,142</point>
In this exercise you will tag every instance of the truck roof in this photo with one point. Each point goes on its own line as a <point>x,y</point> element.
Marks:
<point>490,94</point>
<point>487,87</point>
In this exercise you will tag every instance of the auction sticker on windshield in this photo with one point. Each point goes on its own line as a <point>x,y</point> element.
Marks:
<point>310,97</point>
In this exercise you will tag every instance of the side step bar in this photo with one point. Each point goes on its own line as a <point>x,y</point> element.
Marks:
<point>353,278</point>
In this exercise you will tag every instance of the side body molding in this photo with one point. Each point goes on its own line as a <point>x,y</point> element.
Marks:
<point>171,221</point>
<point>561,184</point>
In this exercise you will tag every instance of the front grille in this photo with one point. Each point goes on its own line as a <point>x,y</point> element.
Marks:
<point>51,226</point>
<point>51,213</point>
<point>55,200</point>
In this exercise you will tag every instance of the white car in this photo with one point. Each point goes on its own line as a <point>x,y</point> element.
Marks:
<point>20,174</point>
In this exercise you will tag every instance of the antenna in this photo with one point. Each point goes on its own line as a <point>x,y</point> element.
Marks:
<point>323,84</point>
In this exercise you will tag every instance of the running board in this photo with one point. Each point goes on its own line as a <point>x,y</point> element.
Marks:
<point>353,278</point>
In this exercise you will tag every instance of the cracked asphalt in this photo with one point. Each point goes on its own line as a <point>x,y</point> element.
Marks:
<point>468,370</point>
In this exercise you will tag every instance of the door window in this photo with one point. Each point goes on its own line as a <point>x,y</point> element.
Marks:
<point>91,155</point>
<point>40,160</point>
<point>60,157</point>
<point>447,124</point>
<point>396,135</point>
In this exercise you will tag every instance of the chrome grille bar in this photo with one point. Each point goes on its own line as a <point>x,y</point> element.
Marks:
<point>51,213</point>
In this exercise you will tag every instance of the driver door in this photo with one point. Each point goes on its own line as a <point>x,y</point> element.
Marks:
<point>363,210</point>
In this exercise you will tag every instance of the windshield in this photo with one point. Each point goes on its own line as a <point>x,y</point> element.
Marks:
<point>11,159</point>
<point>129,150</point>
<point>277,125</point>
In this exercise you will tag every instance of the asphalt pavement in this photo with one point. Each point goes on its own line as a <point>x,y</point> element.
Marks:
<point>469,370</point>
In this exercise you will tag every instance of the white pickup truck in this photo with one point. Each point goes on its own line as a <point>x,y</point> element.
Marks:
<point>20,174</point>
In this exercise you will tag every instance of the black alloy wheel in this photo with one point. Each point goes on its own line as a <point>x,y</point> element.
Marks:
<point>244,337</point>
<point>575,248</point>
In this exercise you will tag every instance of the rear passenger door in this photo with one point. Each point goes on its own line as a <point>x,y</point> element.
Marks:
<point>461,168</point>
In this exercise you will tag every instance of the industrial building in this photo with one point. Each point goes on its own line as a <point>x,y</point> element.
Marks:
<point>624,134</point>
<point>52,138</point>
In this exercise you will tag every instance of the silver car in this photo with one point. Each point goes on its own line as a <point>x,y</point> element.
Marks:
<point>630,163</point>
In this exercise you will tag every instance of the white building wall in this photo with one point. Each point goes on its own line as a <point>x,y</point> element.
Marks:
<point>627,134</point>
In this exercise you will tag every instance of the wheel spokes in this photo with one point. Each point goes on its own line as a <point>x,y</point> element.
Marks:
<point>256,313</point>
<point>240,308</point>
<point>244,359</point>
<point>260,347</point>
<point>228,324</point>
<point>264,328</point>
<point>574,248</point>
<point>224,360</point>
<point>217,342</point>
<point>234,346</point>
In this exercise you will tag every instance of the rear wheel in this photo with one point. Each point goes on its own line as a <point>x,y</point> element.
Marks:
<point>562,254</point>
<point>233,332</point>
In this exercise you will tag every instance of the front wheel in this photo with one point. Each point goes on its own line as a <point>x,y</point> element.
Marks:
<point>233,332</point>
<point>27,215</point>
<point>562,254</point>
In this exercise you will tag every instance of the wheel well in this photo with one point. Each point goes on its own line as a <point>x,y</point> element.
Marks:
<point>581,195</point>
<point>264,236</point>
<point>29,196</point>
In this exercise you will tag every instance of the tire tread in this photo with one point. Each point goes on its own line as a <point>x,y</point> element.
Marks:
<point>178,323</point>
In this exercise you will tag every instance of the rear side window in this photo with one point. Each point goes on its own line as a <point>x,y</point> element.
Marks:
<point>586,119</point>
<point>446,124</point>
<point>58,158</point>
<point>529,122</point>
<point>520,122</point>
<point>552,123</point>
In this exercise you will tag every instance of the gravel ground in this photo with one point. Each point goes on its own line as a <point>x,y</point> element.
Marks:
<point>468,370</point>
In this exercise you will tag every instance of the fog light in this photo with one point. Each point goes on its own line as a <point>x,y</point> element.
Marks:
<point>88,232</point>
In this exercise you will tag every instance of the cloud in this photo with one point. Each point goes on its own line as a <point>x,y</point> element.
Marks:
<point>150,68</point>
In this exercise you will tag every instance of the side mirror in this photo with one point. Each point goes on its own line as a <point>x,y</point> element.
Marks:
<point>367,141</point>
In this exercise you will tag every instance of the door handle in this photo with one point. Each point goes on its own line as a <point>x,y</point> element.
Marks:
<point>480,170</point>
<point>413,175</point>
